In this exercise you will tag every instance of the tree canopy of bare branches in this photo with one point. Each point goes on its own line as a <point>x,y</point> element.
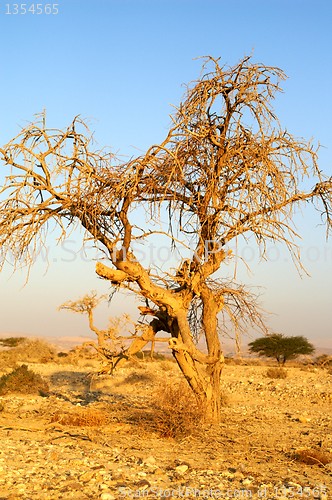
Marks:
<point>226,169</point>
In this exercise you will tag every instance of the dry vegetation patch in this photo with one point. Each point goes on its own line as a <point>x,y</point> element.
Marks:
<point>25,350</point>
<point>23,381</point>
<point>81,417</point>
<point>139,378</point>
<point>276,373</point>
<point>176,412</point>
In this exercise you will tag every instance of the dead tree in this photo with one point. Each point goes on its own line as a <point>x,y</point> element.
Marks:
<point>225,171</point>
<point>112,342</point>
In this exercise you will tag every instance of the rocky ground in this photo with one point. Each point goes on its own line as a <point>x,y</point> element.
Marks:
<point>97,438</point>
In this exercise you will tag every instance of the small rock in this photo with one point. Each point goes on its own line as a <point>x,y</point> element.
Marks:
<point>303,420</point>
<point>73,485</point>
<point>291,484</point>
<point>107,496</point>
<point>149,461</point>
<point>246,481</point>
<point>104,486</point>
<point>143,485</point>
<point>117,476</point>
<point>87,476</point>
<point>181,469</point>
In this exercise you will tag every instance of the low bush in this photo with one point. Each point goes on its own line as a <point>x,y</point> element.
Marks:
<point>29,351</point>
<point>276,373</point>
<point>62,354</point>
<point>35,350</point>
<point>139,377</point>
<point>166,365</point>
<point>78,356</point>
<point>176,413</point>
<point>23,381</point>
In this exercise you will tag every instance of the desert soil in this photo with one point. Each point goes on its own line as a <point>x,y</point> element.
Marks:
<point>253,453</point>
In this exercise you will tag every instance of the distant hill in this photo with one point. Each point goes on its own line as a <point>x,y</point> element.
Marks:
<point>61,343</point>
<point>66,342</point>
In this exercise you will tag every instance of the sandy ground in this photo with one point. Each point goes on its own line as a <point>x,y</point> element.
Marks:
<point>115,449</point>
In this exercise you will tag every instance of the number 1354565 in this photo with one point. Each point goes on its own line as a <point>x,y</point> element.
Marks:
<point>31,8</point>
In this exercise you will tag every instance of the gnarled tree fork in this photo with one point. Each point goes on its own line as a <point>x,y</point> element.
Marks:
<point>226,170</point>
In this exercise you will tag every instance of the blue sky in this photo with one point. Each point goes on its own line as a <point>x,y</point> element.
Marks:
<point>121,65</point>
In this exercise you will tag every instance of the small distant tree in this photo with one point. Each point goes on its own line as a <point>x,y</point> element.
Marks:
<point>280,347</point>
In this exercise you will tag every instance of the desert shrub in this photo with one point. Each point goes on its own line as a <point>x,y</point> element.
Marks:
<point>138,377</point>
<point>29,350</point>
<point>176,412</point>
<point>81,417</point>
<point>229,360</point>
<point>37,351</point>
<point>6,361</point>
<point>62,354</point>
<point>23,381</point>
<point>12,341</point>
<point>276,373</point>
<point>80,356</point>
<point>313,457</point>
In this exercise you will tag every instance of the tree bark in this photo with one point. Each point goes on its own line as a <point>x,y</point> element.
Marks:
<point>204,382</point>
<point>201,370</point>
<point>203,378</point>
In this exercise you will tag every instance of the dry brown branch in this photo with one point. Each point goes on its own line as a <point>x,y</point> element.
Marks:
<point>110,342</point>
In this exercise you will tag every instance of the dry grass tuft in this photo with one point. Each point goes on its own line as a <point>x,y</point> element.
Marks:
<point>313,457</point>
<point>176,412</point>
<point>81,418</point>
<point>166,365</point>
<point>276,373</point>
<point>138,377</point>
